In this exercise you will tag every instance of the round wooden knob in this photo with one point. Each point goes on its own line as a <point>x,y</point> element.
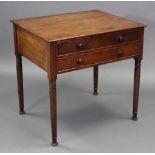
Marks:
<point>120,52</point>
<point>80,46</point>
<point>79,61</point>
<point>120,39</point>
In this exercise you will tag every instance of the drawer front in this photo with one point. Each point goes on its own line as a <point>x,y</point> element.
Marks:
<point>98,41</point>
<point>83,60</point>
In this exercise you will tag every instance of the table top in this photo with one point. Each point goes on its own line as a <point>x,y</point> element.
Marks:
<point>77,24</point>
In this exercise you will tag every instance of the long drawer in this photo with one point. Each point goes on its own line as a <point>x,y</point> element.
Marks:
<point>96,41</point>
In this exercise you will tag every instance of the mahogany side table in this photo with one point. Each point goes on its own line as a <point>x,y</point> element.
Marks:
<point>73,41</point>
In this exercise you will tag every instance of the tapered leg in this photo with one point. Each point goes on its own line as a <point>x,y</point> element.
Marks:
<point>95,69</point>
<point>53,109</point>
<point>20,83</point>
<point>136,87</point>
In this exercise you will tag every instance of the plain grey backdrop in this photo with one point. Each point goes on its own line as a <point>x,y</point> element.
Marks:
<point>85,123</point>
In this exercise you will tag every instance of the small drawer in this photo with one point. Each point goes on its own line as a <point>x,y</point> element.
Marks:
<point>83,60</point>
<point>96,41</point>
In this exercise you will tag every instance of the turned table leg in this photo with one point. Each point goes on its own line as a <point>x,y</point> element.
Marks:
<point>95,70</point>
<point>136,87</point>
<point>20,83</point>
<point>53,110</point>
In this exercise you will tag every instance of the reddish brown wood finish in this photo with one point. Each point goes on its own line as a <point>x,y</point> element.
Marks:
<point>73,41</point>
<point>32,47</point>
<point>53,109</point>
<point>95,69</point>
<point>136,87</point>
<point>20,83</point>
<point>19,73</point>
<point>73,25</point>
<point>96,41</point>
<point>97,56</point>
<point>52,75</point>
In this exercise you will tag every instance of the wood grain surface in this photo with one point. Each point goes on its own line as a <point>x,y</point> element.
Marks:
<point>71,25</point>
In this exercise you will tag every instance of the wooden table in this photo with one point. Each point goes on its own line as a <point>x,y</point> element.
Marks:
<point>72,41</point>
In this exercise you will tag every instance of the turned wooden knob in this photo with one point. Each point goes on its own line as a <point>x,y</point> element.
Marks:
<point>120,39</point>
<point>79,61</point>
<point>120,52</point>
<point>80,46</point>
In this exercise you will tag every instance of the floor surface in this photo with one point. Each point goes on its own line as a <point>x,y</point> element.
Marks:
<point>86,123</point>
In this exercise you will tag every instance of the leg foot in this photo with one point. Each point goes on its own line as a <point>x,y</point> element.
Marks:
<point>134,118</point>
<point>54,143</point>
<point>22,112</point>
<point>95,93</point>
